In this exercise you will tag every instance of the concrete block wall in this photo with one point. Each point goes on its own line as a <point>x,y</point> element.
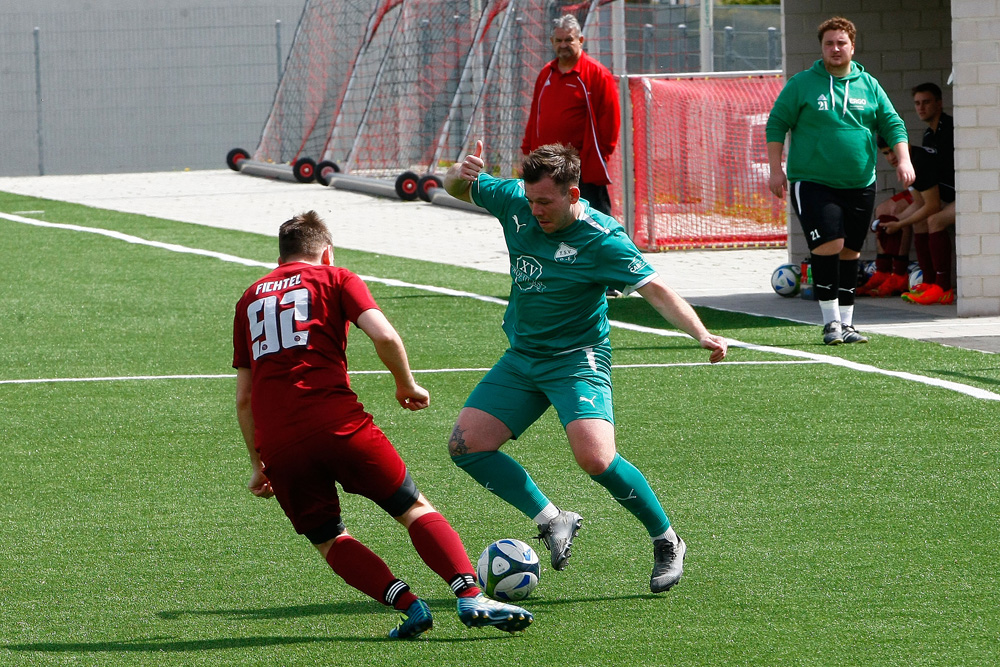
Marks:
<point>903,43</point>
<point>975,32</point>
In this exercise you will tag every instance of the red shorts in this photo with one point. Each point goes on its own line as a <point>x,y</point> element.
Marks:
<point>303,475</point>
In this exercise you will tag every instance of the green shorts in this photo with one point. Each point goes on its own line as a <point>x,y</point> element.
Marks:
<point>519,388</point>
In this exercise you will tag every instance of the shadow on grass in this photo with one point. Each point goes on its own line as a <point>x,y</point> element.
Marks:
<point>169,644</point>
<point>166,644</point>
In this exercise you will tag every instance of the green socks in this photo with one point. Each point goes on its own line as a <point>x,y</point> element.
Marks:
<point>505,477</point>
<point>629,487</point>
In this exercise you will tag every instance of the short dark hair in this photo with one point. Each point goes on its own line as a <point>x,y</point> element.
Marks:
<point>881,142</point>
<point>305,235</point>
<point>837,23</point>
<point>927,87</point>
<point>558,162</point>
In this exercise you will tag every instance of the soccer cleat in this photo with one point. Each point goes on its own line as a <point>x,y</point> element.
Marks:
<point>893,286</point>
<point>668,564</point>
<point>557,536</point>
<point>874,281</point>
<point>480,612</point>
<point>416,621</point>
<point>919,288</point>
<point>832,334</point>
<point>933,294</point>
<point>851,335</point>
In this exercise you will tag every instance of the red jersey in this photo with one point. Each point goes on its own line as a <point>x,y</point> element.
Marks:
<point>290,330</point>
<point>579,108</point>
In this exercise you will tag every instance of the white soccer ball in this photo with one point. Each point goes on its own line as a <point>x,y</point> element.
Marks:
<point>508,570</point>
<point>916,276</point>
<point>786,279</point>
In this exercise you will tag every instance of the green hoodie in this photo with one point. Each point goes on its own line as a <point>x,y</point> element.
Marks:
<point>833,122</point>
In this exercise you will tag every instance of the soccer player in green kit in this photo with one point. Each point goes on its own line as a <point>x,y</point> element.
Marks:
<point>563,257</point>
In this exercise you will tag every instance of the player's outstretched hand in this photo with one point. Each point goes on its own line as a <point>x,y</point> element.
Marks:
<point>413,397</point>
<point>260,485</point>
<point>717,345</point>
<point>473,164</point>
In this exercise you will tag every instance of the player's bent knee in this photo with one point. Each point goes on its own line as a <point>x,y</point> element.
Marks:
<point>328,532</point>
<point>403,499</point>
<point>419,508</point>
<point>593,464</point>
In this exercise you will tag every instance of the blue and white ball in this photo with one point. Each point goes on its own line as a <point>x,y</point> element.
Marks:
<point>916,276</point>
<point>786,279</point>
<point>508,570</point>
<point>867,270</point>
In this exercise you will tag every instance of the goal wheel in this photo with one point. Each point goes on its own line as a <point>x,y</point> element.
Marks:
<point>304,170</point>
<point>407,185</point>
<point>426,184</point>
<point>325,171</point>
<point>234,157</point>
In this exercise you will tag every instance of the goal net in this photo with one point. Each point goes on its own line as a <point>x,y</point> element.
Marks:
<point>700,160</point>
<point>329,38</point>
<point>386,88</point>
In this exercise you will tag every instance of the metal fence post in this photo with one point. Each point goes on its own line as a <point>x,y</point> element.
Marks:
<point>648,46</point>
<point>277,46</point>
<point>680,53</point>
<point>728,55</point>
<point>38,100</point>
<point>772,48</point>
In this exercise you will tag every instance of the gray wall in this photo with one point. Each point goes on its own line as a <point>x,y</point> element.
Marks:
<point>906,42</point>
<point>127,86</point>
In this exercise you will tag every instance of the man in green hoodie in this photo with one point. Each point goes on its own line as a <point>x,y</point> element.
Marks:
<point>834,110</point>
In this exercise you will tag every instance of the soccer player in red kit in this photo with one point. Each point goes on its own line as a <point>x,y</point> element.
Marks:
<point>305,429</point>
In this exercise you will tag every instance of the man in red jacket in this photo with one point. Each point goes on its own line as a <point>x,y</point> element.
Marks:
<point>575,103</point>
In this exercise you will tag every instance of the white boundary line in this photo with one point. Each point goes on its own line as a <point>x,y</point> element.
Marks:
<point>223,376</point>
<point>968,390</point>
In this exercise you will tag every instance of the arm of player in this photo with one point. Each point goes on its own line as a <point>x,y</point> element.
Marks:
<point>925,204</point>
<point>258,484</point>
<point>777,182</point>
<point>389,347</point>
<point>904,168</point>
<point>679,312</point>
<point>461,175</point>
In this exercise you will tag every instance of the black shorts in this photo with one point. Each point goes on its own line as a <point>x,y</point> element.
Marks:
<point>827,214</point>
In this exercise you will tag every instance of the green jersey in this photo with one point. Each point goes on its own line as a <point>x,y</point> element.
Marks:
<point>833,121</point>
<point>557,296</point>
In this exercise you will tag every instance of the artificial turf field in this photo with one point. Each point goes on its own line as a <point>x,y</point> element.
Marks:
<point>833,516</point>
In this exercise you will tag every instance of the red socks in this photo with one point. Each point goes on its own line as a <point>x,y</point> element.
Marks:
<point>940,250</point>
<point>922,246</point>
<point>441,549</point>
<point>361,568</point>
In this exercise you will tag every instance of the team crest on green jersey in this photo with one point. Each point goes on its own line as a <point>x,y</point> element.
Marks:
<point>565,254</point>
<point>526,272</point>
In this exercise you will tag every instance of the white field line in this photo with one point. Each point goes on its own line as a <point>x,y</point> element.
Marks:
<point>230,376</point>
<point>968,390</point>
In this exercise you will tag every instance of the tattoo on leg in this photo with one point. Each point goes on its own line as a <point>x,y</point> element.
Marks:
<point>456,443</point>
